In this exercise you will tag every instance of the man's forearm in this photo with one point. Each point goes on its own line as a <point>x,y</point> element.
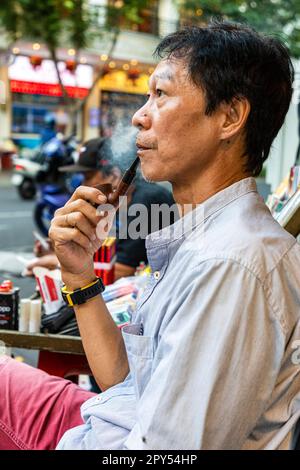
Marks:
<point>103,343</point>
<point>73,233</point>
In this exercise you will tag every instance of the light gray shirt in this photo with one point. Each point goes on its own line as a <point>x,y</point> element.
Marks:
<point>214,347</point>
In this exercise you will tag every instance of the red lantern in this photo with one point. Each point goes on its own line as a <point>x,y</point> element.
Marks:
<point>133,74</point>
<point>35,61</point>
<point>71,65</point>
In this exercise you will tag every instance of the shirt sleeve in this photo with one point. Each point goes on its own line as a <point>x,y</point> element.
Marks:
<point>215,365</point>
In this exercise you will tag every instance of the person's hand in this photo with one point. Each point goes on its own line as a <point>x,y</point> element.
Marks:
<point>47,261</point>
<point>73,234</point>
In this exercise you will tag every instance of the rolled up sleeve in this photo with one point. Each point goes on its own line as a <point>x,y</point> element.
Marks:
<point>215,365</point>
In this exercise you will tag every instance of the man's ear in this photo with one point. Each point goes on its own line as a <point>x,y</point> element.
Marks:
<point>235,117</point>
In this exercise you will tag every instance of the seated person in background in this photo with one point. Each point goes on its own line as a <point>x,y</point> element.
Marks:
<point>98,167</point>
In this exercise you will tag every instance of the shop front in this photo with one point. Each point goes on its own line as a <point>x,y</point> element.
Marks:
<point>122,93</point>
<point>39,95</point>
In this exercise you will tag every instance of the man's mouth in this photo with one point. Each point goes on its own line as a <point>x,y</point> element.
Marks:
<point>143,147</point>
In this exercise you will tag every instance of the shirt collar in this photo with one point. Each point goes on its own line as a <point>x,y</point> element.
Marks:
<point>190,221</point>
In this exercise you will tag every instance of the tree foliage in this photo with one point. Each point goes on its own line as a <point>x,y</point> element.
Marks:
<point>51,21</point>
<point>279,17</point>
<point>67,23</point>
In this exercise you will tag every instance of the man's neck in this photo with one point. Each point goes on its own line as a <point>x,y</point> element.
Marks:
<point>189,193</point>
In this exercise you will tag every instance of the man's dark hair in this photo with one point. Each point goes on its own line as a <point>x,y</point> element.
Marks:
<point>229,60</point>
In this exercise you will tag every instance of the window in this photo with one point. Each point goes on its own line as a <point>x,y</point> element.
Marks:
<point>28,112</point>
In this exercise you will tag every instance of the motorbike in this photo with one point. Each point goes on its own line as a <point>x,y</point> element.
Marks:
<point>24,175</point>
<point>51,197</point>
<point>38,166</point>
<point>54,188</point>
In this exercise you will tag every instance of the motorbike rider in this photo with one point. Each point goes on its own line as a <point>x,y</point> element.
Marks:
<point>49,129</point>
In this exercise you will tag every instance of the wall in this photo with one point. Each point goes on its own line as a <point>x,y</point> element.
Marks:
<point>5,108</point>
<point>90,119</point>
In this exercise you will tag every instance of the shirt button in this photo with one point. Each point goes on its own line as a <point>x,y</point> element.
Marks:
<point>99,398</point>
<point>156,275</point>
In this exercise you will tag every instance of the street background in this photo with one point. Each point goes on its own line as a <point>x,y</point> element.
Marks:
<point>16,226</point>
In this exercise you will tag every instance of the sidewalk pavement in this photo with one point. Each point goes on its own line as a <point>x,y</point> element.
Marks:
<point>11,267</point>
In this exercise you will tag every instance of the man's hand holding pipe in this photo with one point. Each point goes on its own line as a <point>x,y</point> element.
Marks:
<point>74,237</point>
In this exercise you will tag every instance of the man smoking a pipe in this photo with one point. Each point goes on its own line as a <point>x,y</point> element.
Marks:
<point>207,362</point>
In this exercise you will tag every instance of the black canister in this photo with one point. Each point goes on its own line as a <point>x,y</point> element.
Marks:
<point>9,306</point>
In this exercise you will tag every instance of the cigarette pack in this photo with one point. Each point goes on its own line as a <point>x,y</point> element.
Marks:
<point>104,261</point>
<point>50,284</point>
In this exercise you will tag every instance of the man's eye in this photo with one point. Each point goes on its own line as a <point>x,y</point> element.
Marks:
<point>159,92</point>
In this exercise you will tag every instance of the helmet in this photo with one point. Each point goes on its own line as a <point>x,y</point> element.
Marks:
<point>50,120</point>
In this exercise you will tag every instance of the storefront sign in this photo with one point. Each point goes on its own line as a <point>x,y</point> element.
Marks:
<point>119,81</point>
<point>43,79</point>
<point>18,86</point>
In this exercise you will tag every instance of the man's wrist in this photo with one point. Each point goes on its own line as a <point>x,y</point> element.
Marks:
<point>75,281</point>
<point>83,294</point>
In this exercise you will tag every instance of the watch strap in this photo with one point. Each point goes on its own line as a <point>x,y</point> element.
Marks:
<point>82,294</point>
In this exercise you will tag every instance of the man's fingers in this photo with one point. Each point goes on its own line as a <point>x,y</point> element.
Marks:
<point>68,234</point>
<point>91,195</point>
<point>78,220</point>
<point>81,217</point>
<point>80,205</point>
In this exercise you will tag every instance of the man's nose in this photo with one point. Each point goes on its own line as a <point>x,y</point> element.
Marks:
<point>141,118</point>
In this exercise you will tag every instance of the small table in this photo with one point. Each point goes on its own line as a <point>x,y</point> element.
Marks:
<point>60,355</point>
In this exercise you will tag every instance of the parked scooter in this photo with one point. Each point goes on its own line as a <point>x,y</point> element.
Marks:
<point>24,176</point>
<point>39,175</point>
<point>41,166</point>
<point>56,152</point>
<point>50,199</point>
<point>54,188</point>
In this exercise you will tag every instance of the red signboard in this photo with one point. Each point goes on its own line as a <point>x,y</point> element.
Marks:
<point>18,86</point>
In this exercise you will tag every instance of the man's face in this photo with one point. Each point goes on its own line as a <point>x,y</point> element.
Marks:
<point>176,140</point>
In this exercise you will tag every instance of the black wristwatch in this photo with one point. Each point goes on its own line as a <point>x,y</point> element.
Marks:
<point>82,294</point>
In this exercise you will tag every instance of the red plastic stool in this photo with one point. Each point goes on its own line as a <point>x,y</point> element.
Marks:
<point>62,364</point>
